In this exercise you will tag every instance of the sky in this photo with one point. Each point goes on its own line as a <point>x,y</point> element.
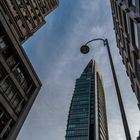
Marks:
<point>54,53</point>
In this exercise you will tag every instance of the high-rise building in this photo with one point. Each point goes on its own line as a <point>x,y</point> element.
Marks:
<point>19,84</point>
<point>87,118</point>
<point>126,19</point>
<point>138,138</point>
<point>26,16</point>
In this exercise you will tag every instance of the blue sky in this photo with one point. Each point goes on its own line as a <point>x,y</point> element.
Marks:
<point>54,53</point>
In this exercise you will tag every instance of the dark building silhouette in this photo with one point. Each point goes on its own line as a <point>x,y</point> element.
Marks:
<point>138,138</point>
<point>26,16</point>
<point>87,118</point>
<point>126,20</point>
<point>19,84</point>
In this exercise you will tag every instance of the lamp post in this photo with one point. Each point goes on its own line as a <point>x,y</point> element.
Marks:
<point>85,49</point>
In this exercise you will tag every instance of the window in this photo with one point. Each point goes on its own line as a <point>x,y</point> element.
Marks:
<point>25,85</point>
<point>7,131</point>
<point>2,44</point>
<point>19,75</point>
<point>133,2</point>
<point>11,61</point>
<point>20,106</point>
<point>70,132</point>
<point>5,122</point>
<point>16,101</point>
<point>77,138</point>
<point>35,17</point>
<point>5,86</point>
<point>10,93</point>
<point>23,25</point>
<point>19,2</point>
<point>126,22</point>
<point>23,81</point>
<point>26,1</point>
<point>134,34</point>
<point>17,17</point>
<point>71,126</point>
<point>6,53</point>
<point>1,73</point>
<point>138,69</point>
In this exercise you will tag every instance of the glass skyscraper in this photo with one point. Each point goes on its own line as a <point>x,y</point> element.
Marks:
<point>87,118</point>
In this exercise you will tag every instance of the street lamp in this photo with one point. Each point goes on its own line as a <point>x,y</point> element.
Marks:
<point>85,49</point>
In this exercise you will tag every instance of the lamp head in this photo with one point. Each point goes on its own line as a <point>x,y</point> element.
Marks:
<point>84,49</point>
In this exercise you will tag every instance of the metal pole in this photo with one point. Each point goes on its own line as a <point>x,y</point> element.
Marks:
<point>124,119</point>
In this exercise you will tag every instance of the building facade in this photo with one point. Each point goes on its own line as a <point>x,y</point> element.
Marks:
<point>19,84</point>
<point>126,18</point>
<point>138,138</point>
<point>87,118</point>
<point>26,16</point>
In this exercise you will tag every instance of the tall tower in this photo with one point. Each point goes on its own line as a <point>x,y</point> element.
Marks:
<point>127,29</point>
<point>87,118</point>
<point>26,16</point>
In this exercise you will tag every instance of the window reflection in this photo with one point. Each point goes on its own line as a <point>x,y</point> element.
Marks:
<point>136,34</point>
<point>19,75</point>
<point>2,44</point>
<point>133,2</point>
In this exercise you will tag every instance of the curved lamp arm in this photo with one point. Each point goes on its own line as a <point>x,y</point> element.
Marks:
<point>95,40</point>
<point>85,48</point>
